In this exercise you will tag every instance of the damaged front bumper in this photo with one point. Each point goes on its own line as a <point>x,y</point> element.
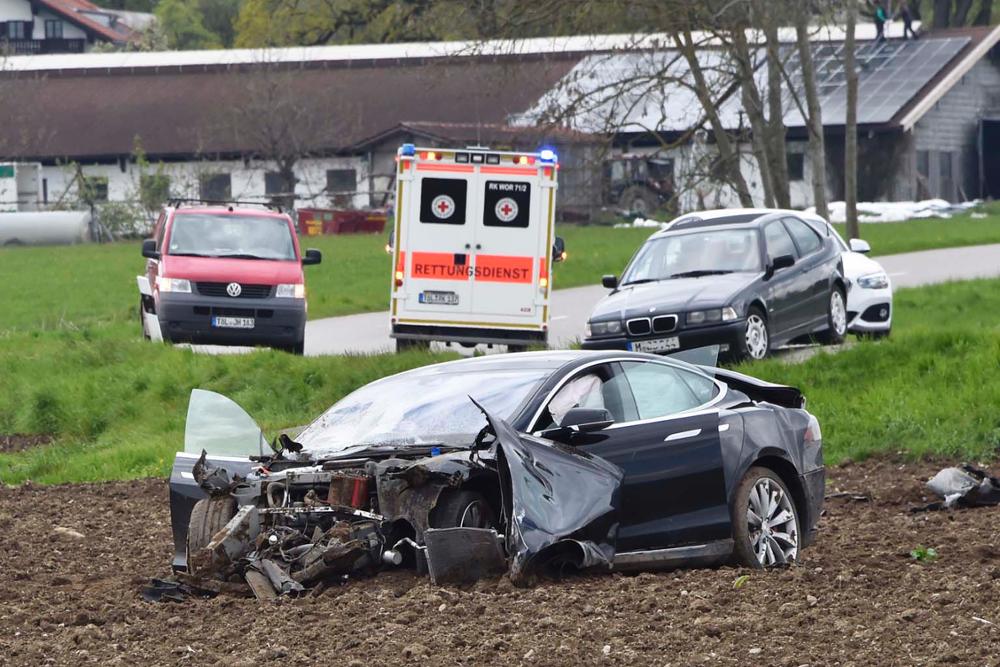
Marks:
<point>305,525</point>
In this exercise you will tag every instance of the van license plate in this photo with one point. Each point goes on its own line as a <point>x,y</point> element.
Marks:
<point>233,322</point>
<point>656,345</point>
<point>439,298</point>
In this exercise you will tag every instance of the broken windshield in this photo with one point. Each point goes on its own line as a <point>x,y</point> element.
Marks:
<point>416,409</point>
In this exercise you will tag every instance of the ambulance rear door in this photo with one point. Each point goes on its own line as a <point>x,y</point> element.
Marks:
<point>438,241</point>
<point>509,243</point>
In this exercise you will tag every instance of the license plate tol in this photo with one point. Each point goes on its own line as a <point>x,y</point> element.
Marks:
<point>232,322</point>
<point>656,345</point>
<point>439,298</point>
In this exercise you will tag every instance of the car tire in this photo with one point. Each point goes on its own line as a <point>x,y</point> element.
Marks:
<point>208,516</point>
<point>776,544</point>
<point>406,345</point>
<point>639,200</point>
<point>462,509</point>
<point>756,342</point>
<point>836,319</point>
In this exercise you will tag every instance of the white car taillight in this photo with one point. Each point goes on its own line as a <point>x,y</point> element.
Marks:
<point>813,432</point>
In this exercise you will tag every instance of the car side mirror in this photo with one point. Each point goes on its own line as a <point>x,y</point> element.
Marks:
<point>312,256</point>
<point>149,249</point>
<point>558,249</point>
<point>859,245</point>
<point>782,262</point>
<point>610,281</point>
<point>587,420</point>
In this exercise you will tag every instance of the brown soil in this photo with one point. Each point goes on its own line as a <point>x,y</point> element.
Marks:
<point>19,442</point>
<point>856,599</point>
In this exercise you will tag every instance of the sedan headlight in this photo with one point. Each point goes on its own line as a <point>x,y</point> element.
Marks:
<point>179,285</point>
<point>874,281</point>
<point>609,328</point>
<point>291,291</point>
<point>712,316</point>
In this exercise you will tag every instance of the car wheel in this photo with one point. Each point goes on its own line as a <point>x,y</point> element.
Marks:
<point>765,521</point>
<point>836,319</point>
<point>756,342</point>
<point>462,509</point>
<point>208,516</point>
<point>405,345</point>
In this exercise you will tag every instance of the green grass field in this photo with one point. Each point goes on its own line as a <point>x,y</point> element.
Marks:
<point>116,405</point>
<point>52,288</point>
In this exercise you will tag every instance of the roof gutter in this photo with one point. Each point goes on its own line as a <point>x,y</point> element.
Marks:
<point>932,97</point>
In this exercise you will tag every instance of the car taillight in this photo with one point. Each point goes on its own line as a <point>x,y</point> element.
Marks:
<point>813,432</point>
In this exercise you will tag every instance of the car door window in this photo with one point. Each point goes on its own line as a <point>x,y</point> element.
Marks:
<point>778,241</point>
<point>660,390</point>
<point>805,237</point>
<point>602,386</point>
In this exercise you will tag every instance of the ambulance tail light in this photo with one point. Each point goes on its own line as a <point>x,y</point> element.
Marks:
<point>400,268</point>
<point>525,159</point>
<point>430,155</point>
<point>399,278</point>
<point>543,274</point>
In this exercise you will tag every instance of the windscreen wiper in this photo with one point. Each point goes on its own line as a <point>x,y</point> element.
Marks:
<point>242,256</point>
<point>698,273</point>
<point>188,254</point>
<point>643,280</point>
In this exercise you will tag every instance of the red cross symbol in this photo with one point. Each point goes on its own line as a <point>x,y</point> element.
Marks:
<point>506,209</point>
<point>443,206</point>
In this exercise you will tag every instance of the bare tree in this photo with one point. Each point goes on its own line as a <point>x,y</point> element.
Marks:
<point>814,119</point>
<point>851,125</point>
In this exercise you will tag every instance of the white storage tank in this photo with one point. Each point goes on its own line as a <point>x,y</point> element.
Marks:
<point>45,228</point>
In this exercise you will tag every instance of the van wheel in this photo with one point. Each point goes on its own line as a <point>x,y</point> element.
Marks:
<point>208,516</point>
<point>406,345</point>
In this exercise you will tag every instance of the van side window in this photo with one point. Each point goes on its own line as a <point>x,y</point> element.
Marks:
<point>442,201</point>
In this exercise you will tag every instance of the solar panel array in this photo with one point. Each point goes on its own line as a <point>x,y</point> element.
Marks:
<point>890,74</point>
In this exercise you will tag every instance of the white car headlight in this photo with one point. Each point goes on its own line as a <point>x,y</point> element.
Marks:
<point>874,281</point>
<point>179,285</point>
<point>603,328</point>
<point>291,291</point>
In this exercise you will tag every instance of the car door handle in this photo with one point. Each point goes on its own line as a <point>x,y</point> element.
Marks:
<point>682,435</point>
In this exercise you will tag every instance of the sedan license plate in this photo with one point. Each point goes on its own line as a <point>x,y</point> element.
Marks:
<point>656,345</point>
<point>233,322</point>
<point>439,298</point>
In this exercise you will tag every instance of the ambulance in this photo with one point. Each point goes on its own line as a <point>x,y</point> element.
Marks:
<point>473,246</point>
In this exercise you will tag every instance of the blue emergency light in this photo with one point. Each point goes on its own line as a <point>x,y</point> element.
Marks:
<point>408,150</point>
<point>547,155</point>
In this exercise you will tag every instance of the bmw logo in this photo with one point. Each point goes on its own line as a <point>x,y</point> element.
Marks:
<point>233,289</point>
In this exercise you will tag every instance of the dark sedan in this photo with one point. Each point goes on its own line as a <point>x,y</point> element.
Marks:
<point>613,460</point>
<point>746,280</point>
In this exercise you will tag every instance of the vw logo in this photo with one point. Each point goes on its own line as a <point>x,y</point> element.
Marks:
<point>234,289</point>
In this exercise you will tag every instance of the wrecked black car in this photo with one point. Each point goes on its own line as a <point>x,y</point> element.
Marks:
<point>520,463</point>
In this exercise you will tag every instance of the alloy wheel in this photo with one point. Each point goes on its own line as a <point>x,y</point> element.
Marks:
<point>773,528</point>
<point>756,336</point>
<point>838,313</point>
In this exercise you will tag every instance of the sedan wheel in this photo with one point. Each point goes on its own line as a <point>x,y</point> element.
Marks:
<point>765,521</point>
<point>756,335</point>
<point>838,313</point>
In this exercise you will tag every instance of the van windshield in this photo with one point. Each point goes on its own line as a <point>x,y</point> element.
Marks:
<point>236,236</point>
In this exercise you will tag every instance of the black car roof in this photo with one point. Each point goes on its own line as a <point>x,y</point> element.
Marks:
<point>542,360</point>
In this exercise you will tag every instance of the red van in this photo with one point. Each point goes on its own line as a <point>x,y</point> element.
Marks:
<point>225,276</point>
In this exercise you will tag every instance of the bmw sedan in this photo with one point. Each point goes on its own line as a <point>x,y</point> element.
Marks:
<point>518,463</point>
<point>744,279</point>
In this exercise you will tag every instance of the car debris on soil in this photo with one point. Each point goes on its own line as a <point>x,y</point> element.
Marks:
<point>965,486</point>
<point>308,527</point>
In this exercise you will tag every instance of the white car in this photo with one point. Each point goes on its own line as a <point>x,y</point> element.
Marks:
<point>869,295</point>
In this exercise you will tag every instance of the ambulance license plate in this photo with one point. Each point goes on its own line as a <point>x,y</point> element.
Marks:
<point>232,322</point>
<point>439,298</point>
<point>655,345</point>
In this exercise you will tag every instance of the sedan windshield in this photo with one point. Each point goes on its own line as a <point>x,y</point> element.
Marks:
<point>236,236</point>
<point>691,255</point>
<point>416,410</point>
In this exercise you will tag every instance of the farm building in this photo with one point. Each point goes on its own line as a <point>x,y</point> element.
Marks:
<point>217,124</point>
